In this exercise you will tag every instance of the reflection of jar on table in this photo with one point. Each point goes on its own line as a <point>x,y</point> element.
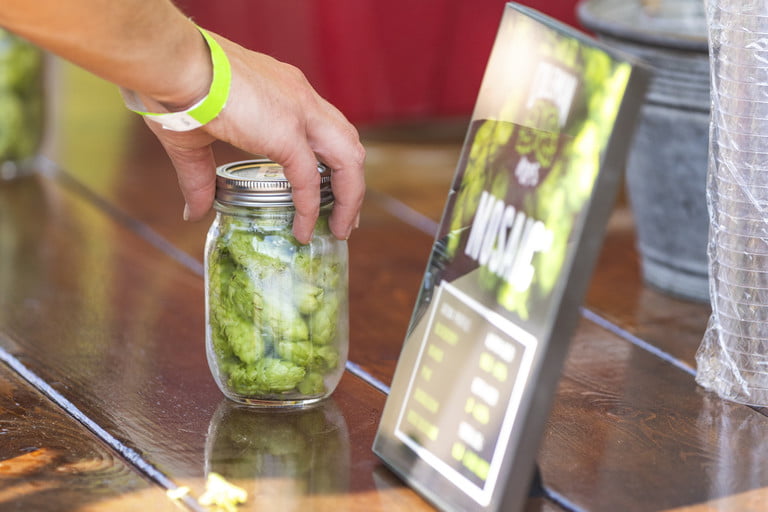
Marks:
<point>280,456</point>
<point>21,104</point>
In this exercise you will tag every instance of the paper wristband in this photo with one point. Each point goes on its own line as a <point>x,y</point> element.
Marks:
<point>204,110</point>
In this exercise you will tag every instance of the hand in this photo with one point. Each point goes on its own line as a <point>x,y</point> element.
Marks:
<point>273,111</point>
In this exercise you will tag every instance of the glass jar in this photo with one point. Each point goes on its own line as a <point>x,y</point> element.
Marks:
<point>277,322</point>
<point>21,104</point>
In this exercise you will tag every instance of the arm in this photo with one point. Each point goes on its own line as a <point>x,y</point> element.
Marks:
<point>149,46</point>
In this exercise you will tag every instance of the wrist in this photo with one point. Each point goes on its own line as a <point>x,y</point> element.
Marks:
<point>188,79</point>
<point>189,110</point>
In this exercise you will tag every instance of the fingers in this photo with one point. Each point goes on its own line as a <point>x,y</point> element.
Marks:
<point>338,146</point>
<point>345,158</point>
<point>301,170</point>
<point>302,129</point>
<point>196,172</point>
<point>348,190</point>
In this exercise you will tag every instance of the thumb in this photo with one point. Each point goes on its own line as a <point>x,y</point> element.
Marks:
<point>196,172</point>
<point>192,157</point>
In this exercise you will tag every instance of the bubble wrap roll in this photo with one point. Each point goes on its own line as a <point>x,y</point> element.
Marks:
<point>732,359</point>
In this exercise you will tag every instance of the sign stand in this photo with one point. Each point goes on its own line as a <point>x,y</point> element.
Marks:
<point>536,489</point>
<point>510,265</point>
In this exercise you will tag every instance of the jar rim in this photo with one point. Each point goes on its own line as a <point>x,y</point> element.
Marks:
<point>262,183</point>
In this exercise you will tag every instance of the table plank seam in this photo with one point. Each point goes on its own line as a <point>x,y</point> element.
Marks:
<point>636,340</point>
<point>128,454</point>
<point>56,173</point>
<point>358,371</point>
<point>403,212</point>
<point>560,500</point>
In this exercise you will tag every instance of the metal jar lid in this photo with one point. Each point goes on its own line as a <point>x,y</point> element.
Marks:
<point>262,183</point>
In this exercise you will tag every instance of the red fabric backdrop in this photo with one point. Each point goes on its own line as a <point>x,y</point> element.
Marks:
<point>378,61</point>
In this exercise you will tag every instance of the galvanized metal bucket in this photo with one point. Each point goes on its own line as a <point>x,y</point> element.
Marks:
<point>667,165</point>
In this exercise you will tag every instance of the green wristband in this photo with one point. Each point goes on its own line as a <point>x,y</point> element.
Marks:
<point>204,110</point>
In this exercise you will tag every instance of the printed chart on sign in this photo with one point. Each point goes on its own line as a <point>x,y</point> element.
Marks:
<point>463,396</point>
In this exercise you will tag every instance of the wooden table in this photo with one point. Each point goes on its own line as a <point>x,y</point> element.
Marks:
<point>106,400</point>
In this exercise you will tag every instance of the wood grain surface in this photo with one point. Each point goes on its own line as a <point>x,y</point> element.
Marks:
<point>121,338</point>
<point>49,461</point>
<point>101,299</point>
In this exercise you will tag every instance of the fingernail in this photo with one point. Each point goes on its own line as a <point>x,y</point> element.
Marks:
<point>302,240</point>
<point>357,221</point>
<point>185,215</point>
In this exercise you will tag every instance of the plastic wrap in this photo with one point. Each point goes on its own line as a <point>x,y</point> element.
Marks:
<point>732,359</point>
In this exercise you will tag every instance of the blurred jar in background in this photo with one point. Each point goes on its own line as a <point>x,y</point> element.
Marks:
<point>21,105</point>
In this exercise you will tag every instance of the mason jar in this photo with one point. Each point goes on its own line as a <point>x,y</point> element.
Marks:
<point>277,322</point>
<point>21,104</point>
